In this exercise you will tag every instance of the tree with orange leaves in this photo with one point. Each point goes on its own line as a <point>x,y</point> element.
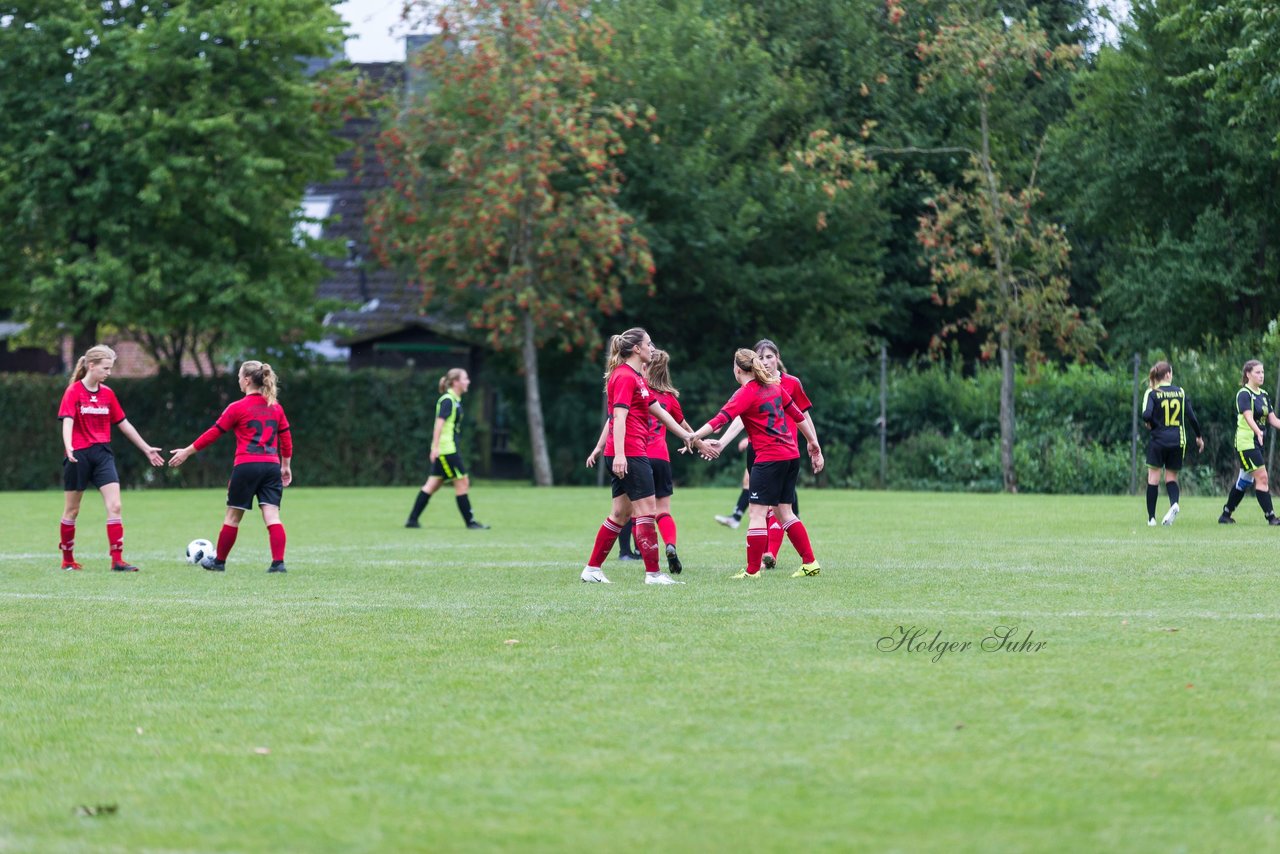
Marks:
<point>503,183</point>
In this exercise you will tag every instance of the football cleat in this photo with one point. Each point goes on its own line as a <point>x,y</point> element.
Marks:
<point>413,523</point>
<point>1226,519</point>
<point>123,567</point>
<point>71,565</point>
<point>659,578</point>
<point>1151,522</point>
<point>673,560</point>
<point>807,570</point>
<point>277,566</point>
<point>628,556</point>
<point>212,564</point>
<point>729,521</point>
<point>473,525</point>
<point>592,574</point>
<point>1273,520</point>
<point>745,574</point>
<point>1171,515</point>
<point>768,560</point>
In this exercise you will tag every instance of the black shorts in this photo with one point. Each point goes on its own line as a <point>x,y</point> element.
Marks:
<point>1161,457</point>
<point>449,467</point>
<point>774,483</point>
<point>1251,459</point>
<point>250,480</point>
<point>751,462</point>
<point>638,483</point>
<point>94,466</point>
<point>663,485</point>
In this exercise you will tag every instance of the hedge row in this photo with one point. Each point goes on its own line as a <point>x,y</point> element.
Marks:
<point>357,429</point>
<point>374,427</point>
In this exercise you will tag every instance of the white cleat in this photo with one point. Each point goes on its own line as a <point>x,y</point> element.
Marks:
<point>659,578</point>
<point>1151,523</point>
<point>594,575</point>
<point>1170,516</point>
<point>728,521</point>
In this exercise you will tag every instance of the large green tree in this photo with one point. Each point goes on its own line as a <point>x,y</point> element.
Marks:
<point>736,238</point>
<point>155,157</point>
<point>1177,199</point>
<point>504,180</point>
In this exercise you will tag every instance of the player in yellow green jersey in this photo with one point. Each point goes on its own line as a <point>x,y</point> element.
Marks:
<point>1253,413</point>
<point>446,462</point>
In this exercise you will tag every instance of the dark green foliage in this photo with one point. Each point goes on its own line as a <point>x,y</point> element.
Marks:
<point>154,158</point>
<point>1175,201</point>
<point>358,429</point>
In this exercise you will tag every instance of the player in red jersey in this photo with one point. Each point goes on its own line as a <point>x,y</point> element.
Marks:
<point>772,359</point>
<point>626,453</point>
<point>658,375</point>
<point>87,411</point>
<point>263,463</point>
<point>767,411</point>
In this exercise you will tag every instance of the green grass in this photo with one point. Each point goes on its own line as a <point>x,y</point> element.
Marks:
<point>381,676</point>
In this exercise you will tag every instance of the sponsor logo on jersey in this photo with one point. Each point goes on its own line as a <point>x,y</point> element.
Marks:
<point>94,410</point>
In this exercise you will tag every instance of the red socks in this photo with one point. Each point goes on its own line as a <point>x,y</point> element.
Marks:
<point>757,539</point>
<point>226,539</point>
<point>275,533</point>
<point>67,542</point>
<point>605,538</point>
<point>646,534</point>
<point>667,528</point>
<point>775,533</point>
<point>115,540</point>
<point>799,539</point>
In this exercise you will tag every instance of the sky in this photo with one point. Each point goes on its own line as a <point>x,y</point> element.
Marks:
<point>378,33</point>
<point>376,29</point>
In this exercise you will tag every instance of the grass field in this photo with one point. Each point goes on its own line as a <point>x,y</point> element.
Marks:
<point>450,690</point>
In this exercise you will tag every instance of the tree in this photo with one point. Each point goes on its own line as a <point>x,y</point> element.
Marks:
<point>155,160</point>
<point>734,236</point>
<point>503,199</point>
<point>982,241</point>
<point>1243,74</point>
<point>1171,194</point>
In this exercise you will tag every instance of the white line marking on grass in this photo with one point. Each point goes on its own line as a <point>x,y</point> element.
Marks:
<point>904,612</point>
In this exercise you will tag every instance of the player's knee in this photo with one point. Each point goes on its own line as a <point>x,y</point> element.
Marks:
<point>1244,481</point>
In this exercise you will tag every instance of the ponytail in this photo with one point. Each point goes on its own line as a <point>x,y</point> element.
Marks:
<point>263,378</point>
<point>658,373</point>
<point>621,347</point>
<point>92,356</point>
<point>748,362</point>
<point>450,378</point>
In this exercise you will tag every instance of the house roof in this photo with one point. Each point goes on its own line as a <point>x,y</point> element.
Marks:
<point>380,300</point>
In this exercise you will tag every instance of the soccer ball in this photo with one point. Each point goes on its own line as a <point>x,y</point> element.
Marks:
<point>198,550</point>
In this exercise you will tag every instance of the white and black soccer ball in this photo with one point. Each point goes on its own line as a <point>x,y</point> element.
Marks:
<point>198,550</point>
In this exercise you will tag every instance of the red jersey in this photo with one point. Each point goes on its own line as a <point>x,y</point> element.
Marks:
<point>627,389</point>
<point>262,432</point>
<point>792,386</point>
<point>91,412</point>
<point>657,448</point>
<point>766,412</point>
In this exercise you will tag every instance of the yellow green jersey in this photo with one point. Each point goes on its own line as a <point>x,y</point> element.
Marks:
<point>449,408</point>
<point>1257,402</point>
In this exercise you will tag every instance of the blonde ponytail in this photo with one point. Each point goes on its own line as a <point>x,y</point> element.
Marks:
<point>748,362</point>
<point>92,356</point>
<point>263,378</point>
